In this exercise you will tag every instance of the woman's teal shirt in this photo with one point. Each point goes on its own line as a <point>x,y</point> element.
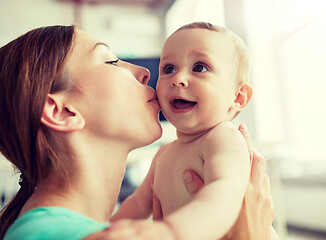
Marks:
<point>52,223</point>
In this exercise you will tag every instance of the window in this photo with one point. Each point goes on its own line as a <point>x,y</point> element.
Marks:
<point>287,40</point>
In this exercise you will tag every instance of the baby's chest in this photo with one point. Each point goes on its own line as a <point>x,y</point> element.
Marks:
<point>178,160</point>
<point>169,185</point>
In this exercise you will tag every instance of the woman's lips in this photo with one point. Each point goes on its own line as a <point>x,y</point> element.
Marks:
<point>179,105</point>
<point>154,101</point>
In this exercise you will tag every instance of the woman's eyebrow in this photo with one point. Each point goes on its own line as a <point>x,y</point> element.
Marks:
<point>101,43</point>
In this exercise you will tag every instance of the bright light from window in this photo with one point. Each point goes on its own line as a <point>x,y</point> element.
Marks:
<point>187,11</point>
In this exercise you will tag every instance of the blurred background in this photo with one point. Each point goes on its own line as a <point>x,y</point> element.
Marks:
<point>286,118</point>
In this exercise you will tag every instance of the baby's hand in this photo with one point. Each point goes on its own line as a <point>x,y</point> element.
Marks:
<point>137,229</point>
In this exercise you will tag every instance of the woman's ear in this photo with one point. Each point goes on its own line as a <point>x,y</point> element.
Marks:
<point>243,97</point>
<point>59,117</point>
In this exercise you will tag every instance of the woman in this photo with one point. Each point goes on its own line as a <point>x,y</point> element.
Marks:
<point>71,111</point>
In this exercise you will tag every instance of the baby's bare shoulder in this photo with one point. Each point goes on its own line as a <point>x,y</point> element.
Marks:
<point>222,138</point>
<point>163,149</point>
<point>223,130</point>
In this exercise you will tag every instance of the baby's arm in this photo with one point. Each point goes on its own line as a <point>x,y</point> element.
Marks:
<point>214,209</point>
<point>139,204</point>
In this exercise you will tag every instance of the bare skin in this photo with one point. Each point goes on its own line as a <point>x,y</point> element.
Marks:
<point>256,215</point>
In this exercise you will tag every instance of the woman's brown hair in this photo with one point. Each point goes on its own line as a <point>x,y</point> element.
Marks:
<point>31,67</point>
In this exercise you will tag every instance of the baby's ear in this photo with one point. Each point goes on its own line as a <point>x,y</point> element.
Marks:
<point>60,117</point>
<point>242,97</point>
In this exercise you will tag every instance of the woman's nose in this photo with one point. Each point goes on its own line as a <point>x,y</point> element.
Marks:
<point>143,75</point>
<point>140,73</point>
<point>179,81</point>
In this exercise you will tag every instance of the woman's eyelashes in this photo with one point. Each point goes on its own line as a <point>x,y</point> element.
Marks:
<point>113,62</point>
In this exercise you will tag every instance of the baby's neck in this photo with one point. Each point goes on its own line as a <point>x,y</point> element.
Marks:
<point>185,138</point>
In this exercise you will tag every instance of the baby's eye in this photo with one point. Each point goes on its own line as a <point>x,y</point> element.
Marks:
<point>168,69</point>
<point>113,62</point>
<point>199,67</point>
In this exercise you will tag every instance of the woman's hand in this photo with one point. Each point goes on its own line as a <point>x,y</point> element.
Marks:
<point>256,216</point>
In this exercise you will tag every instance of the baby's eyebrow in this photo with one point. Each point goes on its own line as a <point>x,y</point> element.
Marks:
<point>200,53</point>
<point>167,57</point>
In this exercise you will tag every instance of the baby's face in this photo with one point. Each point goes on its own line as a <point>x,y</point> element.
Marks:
<point>196,84</point>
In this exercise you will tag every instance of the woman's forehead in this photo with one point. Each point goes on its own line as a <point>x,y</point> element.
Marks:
<point>86,44</point>
<point>83,41</point>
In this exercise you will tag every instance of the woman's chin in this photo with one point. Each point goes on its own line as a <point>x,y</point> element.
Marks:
<point>154,134</point>
<point>158,132</point>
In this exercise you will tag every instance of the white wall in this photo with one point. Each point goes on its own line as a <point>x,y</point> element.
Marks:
<point>19,16</point>
<point>187,11</point>
<point>130,31</point>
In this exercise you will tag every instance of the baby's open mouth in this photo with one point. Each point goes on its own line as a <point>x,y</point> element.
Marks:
<point>182,104</point>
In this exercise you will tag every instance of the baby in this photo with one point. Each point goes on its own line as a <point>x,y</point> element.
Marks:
<point>202,85</point>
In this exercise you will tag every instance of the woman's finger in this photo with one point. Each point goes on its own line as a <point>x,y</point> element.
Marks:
<point>267,184</point>
<point>258,169</point>
<point>157,209</point>
<point>245,133</point>
<point>193,181</point>
<point>267,187</point>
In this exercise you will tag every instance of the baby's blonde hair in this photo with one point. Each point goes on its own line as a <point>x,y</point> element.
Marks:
<point>241,50</point>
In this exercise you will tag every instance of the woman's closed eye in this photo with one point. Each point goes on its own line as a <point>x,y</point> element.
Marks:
<point>113,62</point>
<point>199,67</point>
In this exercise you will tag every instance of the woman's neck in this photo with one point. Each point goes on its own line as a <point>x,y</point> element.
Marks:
<point>93,186</point>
